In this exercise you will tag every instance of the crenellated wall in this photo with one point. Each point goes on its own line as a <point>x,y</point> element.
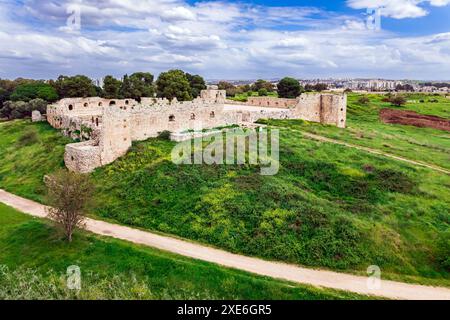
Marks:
<point>110,126</point>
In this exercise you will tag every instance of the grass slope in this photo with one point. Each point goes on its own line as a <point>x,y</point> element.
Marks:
<point>329,206</point>
<point>27,153</point>
<point>33,262</point>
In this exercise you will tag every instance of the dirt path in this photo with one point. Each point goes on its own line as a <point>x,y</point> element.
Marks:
<point>319,278</point>
<point>369,150</point>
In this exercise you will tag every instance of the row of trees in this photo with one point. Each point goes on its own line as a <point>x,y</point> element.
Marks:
<point>16,95</point>
<point>170,84</point>
<point>286,88</point>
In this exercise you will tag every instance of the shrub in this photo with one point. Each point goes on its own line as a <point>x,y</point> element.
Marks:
<point>21,109</point>
<point>443,250</point>
<point>165,135</point>
<point>398,101</point>
<point>29,137</point>
<point>363,100</point>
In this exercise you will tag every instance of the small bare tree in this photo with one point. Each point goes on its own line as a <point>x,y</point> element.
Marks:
<point>69,195</point>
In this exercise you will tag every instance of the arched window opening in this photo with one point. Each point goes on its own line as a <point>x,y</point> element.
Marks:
<point>86,105</point>
<point>100,104</point>
<point>172,118</point>
<point>112,103</point>
<point>127,102</point>
<point>70,107</point>
<point>212,115</point>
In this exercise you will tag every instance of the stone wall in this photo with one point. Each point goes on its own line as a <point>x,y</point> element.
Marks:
<point>150,120</point>
<point>334,110</point>
<point>271,102</point>
<point>322,108</point>
<point>82,157</point>
<point>218,96</point>
<point>110,126</point>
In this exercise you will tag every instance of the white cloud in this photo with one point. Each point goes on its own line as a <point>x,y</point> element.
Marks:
<point>398,9</point>
<point>216,39</point>
<point>178,13</point>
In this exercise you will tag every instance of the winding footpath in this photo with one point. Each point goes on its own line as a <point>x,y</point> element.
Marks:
<point>318,278</point>
<point>374,151</point>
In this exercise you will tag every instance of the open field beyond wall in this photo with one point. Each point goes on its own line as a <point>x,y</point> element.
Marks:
<point>330,206</point>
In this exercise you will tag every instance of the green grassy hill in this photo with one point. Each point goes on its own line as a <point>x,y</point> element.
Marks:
<point>330,206</point>
<point>34,260</point>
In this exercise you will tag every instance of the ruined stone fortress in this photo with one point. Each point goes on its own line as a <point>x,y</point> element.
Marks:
<point>105,129</point>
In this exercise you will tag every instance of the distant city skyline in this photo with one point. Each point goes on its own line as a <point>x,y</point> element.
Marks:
<point>242,40</point>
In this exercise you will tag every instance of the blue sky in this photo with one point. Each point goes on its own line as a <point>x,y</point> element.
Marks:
<point>244,39</point>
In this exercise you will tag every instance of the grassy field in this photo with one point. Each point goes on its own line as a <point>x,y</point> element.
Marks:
<point>330,206</point>
<point>34,260</point>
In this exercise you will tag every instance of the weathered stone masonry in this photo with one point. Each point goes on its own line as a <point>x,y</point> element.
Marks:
<point>106,128</point>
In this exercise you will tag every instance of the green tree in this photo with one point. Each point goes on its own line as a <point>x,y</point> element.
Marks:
<point>126,90</point>
<point>111,87</point>
<point>138,85</point>
<point>141,85</point>
<point>262,84</point>
<point>174,84</point>
<point>263,92</point>
<point>245,88</point>
<point>74,87</point>
<point>30,91</point>
<point>321,87</point>
<point>197,84</point>
<point>289,88</point>
<point>230,88</point>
